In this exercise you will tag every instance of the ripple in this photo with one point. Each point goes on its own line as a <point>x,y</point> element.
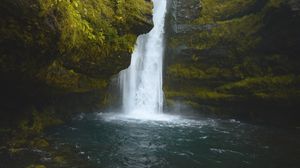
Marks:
<point>118,140</point>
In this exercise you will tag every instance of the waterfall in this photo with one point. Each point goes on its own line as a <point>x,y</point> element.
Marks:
<point>141,82</point>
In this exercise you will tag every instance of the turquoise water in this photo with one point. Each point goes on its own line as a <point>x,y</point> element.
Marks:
<point>112,141</point>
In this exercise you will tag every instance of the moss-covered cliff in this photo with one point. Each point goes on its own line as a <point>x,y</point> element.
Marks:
<point>238,58</point>
<point>61,54</point>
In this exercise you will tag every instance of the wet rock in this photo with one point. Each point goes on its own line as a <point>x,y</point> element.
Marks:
<point>213,45</point>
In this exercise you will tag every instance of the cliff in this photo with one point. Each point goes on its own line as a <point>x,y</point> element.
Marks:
<point>235,58</point>
<point>57,56</point>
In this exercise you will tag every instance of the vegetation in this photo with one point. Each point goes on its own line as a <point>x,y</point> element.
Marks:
<point>83,35</point>
<point>247,51</point>
<point>57,58</point>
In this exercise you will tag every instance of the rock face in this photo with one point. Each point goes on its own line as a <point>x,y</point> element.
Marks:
<point>61,54</point>
<point>235,58</point>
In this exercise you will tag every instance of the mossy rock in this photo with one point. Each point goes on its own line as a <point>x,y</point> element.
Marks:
<point>36,166</point>
<point>239,56</point>
<point>39,143</point>
<point>55,53</point>
<point>59,160</point>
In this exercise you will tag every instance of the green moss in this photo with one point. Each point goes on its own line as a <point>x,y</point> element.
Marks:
<point>180,71</point>
<point>192,104</point>
<point>267,82</point>
<point>193,72</point>
<point>96,31</point>
<point>239,34</point>
<point>239,57</point>
<point>233,48</point>
<point>39,143</point>
<point>59,160</point>
<point>266,87</point>
<point>214,10</point>
<point>58,76</point>
<point>82,35</point>
<point>36,166</point>
<point>208,94</point>
<point>198,93</point>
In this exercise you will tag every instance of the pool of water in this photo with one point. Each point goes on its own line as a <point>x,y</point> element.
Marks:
<point>112,141</point>
<point>161,141</point>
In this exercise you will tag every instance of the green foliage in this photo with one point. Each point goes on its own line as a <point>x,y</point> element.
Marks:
<point>83,35</point>
<point>198,93</point>
<point>239,34</point>
<point>61,54</point>
<point>214,10</point>
<point>243,55</point>
<point>231,46</point>
<point>58,76</point>
<point>209,94</point>
<point>265,87</point>
<point>193,72</point>
<point>180,71</point>
<point>88,29</point>
<point>27,39</point>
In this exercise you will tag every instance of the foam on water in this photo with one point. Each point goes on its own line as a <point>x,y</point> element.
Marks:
<point>142,117</point>
<point>160,120</point>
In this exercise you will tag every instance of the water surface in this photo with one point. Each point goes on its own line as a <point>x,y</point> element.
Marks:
<point>112,141</point>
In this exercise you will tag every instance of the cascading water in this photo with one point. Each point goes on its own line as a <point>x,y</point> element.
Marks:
<point>141,83</point>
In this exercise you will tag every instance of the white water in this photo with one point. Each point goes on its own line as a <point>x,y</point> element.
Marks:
<point>141,83</point>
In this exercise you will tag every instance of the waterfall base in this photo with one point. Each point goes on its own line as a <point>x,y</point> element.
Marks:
<point>139,116</point>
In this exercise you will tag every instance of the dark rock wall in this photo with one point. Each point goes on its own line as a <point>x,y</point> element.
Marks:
<point>235,58</point>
